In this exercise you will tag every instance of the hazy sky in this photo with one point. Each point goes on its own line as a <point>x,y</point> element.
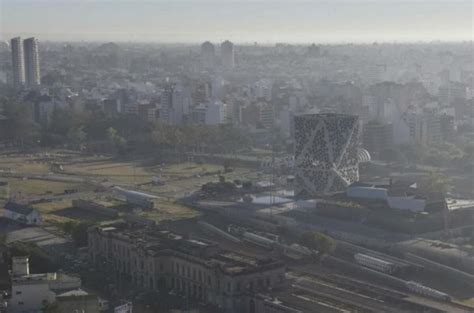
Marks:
<point>264,21</point>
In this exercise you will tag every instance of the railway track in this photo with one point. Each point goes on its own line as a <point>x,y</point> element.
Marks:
<point>363,295</point>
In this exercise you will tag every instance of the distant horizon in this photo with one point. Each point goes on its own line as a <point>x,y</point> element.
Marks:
<point>242,43</point>
<point>240,21</point>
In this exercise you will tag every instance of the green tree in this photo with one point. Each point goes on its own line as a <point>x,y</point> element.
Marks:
<point>118,141</point>
<point>436,185</point>
<point>77,135</point>
<point>78,232</point>
<point>318,241</point>
<point>20,126</point>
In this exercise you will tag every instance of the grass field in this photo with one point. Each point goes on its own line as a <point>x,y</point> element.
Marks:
<point>36,187</point>
<point>62,211</point>
<point>48,209</point>
<point>24,164</point>
<point>188,169</point>
<point>114,172</point>
<point>4,191</point>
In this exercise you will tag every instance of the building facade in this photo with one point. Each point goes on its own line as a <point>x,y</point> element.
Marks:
<point>22,214</point>
<point>228,54</point>
<point>376,137</point>
<point>32,64</point>
<point>200,270</point>
<point>18,62</point>
<point>208,54</point>
<point>425,128</point>
<point>326,156</point>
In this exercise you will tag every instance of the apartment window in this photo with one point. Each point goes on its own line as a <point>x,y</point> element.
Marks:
<point>21,303</point>
<point>18,293</point>
<point>238,286</point>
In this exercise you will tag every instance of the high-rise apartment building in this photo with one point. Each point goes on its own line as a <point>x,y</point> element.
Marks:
<point>326,152</point>
<point>376,137</point>
<point>32,66</point>
<point>208,54</point>
<point>227,54</point>
<point>18,62</point>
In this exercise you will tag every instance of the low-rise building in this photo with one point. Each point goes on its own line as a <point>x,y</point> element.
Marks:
<point>32,292</point>
<point>77,301</point>
<point>22,213</point>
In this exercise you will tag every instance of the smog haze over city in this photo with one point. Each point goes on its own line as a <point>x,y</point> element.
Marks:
<point>236,156</point>
<point>242,21</point>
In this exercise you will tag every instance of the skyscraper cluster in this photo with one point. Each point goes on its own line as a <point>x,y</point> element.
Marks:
<point>227,54</point>
<point>25,62</point>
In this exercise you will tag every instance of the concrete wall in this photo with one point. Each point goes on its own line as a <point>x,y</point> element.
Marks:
<point>86,303</point>
<point>29,296</point>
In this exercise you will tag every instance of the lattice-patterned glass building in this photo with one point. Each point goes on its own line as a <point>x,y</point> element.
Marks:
<point>326,156</point>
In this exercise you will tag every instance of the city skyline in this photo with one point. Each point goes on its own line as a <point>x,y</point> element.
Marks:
<point>261,21</point>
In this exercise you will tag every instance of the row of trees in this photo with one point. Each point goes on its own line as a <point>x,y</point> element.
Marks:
<point>443,154</point>
<point>79,127</point>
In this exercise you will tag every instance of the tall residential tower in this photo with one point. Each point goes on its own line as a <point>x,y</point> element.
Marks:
<point>227,54</point>
<point>32,67</point>
<point>208,54</point>
<point>18,62</point>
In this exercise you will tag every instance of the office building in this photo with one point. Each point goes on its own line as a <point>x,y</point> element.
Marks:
<point>227,54</point>
<point>326,154</point>
<point>216,113</point>
<point>425,128</point>
<point>32,66</point>
<point>18,62</point>
<point>376,137</point>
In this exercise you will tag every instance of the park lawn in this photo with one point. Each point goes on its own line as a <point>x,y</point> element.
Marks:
<point>4,192</point>
<point>189,169</point>
<point>24,165</point>
<point>176,186</point>
<point>118,172</point>
<point>33,167</point>
<point>468,302</point>
<point>37,187</point>
<point>47,210</point>
<point>50,207</point>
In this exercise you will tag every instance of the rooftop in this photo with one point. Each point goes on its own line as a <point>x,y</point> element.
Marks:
<point>18,208</point>
<point>155,242</point>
